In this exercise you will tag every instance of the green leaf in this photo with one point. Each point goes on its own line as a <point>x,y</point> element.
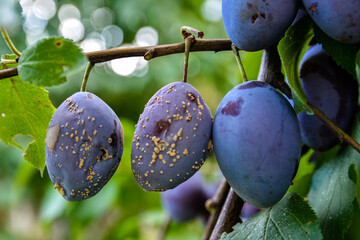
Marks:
<point>49,61</point>
<point>333,190</point>
<point>291,49</point>
<point>291,218</point>
<point>25,109</point>
<point>343,54</point>
<point>358,66</point>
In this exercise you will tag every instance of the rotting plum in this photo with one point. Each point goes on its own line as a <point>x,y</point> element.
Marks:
<point>340,19</point>
<point>84,145</point>
<point>257,142</point>
<point>331,89</point>
<point>171,137</point>
<point>254,25</point>
<point>187,200</point>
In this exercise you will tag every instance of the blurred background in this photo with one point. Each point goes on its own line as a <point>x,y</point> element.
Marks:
<point>30,207</point>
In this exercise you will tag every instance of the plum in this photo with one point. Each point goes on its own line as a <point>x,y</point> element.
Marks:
<point>84,145</point>
<point>254,25</point>
<point>248,211</point>
<point>187,200</point>
<point>331,89</point>
<point>257,142</point>
<point>340,19</point>
<point>171,137</point>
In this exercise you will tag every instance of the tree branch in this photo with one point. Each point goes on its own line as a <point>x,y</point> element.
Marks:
<point>229,215</point>
<point>148,52</point>
<point>216,203</point>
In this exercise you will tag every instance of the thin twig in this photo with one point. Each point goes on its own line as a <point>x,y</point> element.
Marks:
<point>229,215</point>
<point>216,204</point>
<point>332,126</point>
<point>9,42</point>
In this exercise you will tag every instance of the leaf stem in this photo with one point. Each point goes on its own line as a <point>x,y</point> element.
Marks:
<point>9,42</point>
<point>86,76</point>
<point>239,62</point>
<point>340,133</point>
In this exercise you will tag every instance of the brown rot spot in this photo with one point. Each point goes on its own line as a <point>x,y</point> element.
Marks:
<point>89,95</point>
<point>313,7</point>
<point>263,15</point>
<point>254,17</point>
<point>161,126</point>
<point>306,232</point>
<point>252,84</point>
<point>52,135</point>
<point>233,108</point>
<point>191,96</point>
<point>59,43</point>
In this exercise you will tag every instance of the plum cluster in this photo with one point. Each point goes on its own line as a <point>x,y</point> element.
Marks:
<point>331,89</point>
<point>254,25</point>
<point>84,145</point>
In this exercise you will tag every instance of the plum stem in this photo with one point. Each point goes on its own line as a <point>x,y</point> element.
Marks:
<point>86,76</point>
<point>9,42</point>
<point>270,70</point>
<point>215,204</point>
<point>188,33</point>
<point>332,126</point>
<point>235,50</point>
<point>229,215</point>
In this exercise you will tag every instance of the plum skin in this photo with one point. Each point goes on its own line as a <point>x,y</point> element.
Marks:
<point>331,89</point>
<point>254,25</point>
<point>257,142</point>
<point>171,137</point>
<point>339,19</point>
<point>84,145</point>
<point>187,200</point>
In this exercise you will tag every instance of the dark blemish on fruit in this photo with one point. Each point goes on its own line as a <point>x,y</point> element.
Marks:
<point>252,84</point>
<point>161,126</point>
<point>249,5</point>
<point>89,95</point>
<point>114,141</point>
<point>263,15</point>
<point>233,108</point>
<point>254,17</point>
<point>191,96</point>
<point>313,7</point>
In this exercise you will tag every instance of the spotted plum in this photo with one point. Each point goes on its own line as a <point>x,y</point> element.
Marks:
<point>340,19</point>
<point>331,89</point>
<point>84,145</point>
<point>186,201</point>
<point>171,138</point>
<point>257,142</point>
<point>254,25</point>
